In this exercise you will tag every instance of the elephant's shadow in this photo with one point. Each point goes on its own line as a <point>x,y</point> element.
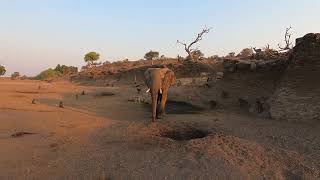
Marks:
<point>180,107</point>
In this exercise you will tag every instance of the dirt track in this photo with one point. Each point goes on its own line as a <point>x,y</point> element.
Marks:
<point>107,137</point>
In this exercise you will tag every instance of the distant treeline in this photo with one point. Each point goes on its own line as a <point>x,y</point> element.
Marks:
<point>58,72</point>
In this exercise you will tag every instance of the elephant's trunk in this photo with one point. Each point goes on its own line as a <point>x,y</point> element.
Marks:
<point>154,97</point>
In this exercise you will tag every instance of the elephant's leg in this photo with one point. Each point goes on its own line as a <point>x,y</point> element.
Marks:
<point>154,97</point>
<point>158,103</point>
<point>164,102</point>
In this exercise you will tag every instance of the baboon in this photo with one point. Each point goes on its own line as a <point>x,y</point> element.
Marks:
<point>139,90</point>
<point>61,104</point>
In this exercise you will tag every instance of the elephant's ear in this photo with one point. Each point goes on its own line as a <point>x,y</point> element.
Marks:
<point>170,78</point>
<point>147,76</point>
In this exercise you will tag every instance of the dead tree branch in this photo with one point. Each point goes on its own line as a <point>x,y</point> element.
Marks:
<point>287,37</point>
<point>188,48</point>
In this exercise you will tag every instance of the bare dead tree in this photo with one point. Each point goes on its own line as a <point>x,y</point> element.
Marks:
<point>267,47</point>
<point>188,48</point>
<point>287,37</point>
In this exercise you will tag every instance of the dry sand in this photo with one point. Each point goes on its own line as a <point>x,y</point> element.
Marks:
<point>107,137</point>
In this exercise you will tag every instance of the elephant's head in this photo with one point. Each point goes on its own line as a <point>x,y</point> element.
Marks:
<point>159,81</point>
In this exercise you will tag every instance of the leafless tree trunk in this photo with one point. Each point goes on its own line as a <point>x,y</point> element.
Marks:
<point>188,48</point>
<point>287,37</point>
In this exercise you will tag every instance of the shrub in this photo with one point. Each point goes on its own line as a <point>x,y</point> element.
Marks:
<point>2,70</point>
<point>66,70</point>
<point>48,74</point>
<point>24,77</point>
<point>196,55</point>
<point>15,75</point>
<point>246,53</point>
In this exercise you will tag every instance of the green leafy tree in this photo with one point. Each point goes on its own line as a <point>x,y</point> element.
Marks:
<point>246,53</point>
<point>48,74</point>
<point>59,68</point>
<point>15,75</point>
<point>151,55</point>
<point>2,70</point>
<point>66,70</point>
<point>91,57</point>
<point>24,77</point>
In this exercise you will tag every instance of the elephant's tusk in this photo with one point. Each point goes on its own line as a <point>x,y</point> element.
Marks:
<point>160,91</point>
<point>148,90</point>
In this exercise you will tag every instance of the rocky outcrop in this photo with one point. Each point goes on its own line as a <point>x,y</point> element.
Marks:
<point>287,88</point>
<point>237,65</point>
<point>297,97</point>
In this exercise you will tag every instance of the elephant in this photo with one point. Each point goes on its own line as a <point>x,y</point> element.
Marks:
<point>159,80</point>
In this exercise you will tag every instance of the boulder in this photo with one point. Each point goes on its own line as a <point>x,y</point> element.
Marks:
<point>243,65</point>
<point>230,65</point>
<point>253,66</point>
<point>219,75</point>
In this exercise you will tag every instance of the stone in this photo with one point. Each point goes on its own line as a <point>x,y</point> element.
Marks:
<point>253,66</point>
<point>230,65</point>
<point>243,65</point>
<point>219,75</point>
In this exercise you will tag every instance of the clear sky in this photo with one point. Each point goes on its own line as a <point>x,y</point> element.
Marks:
<point>38,34</point>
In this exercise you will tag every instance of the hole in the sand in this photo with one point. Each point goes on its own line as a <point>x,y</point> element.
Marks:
<point>20,134</point>
<point>102,94</point>
<point>185,134</point>
<point>180,107</point>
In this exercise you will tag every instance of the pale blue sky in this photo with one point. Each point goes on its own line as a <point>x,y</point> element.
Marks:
<point>38,34</point>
